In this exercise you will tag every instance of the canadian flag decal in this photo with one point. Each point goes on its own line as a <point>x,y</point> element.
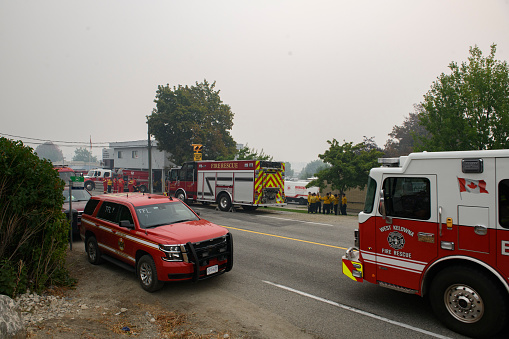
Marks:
<point>472,186</point>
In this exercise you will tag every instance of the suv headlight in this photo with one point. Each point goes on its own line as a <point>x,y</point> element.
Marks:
<point>172,252</point>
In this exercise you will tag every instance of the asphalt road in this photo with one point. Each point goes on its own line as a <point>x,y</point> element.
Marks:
<point>290,264</point>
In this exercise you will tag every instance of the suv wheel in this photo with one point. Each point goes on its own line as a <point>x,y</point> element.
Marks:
<point>93,253</point>
<point>147,274</point>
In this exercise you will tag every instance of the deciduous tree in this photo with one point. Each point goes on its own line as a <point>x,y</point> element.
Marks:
<point>49,151</point>
<point>312,168</point>
<point>349,165</point>
<point>468,108</point>
<point>192,115</point>
<point>83,154</point>
<point>403,138</point>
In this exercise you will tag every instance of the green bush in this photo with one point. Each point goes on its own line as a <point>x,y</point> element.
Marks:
<point>33,229</point>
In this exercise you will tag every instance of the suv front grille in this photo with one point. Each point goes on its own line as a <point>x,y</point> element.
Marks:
<point>200,253</point>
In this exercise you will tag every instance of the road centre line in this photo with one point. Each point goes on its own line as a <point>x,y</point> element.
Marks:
<point>279,236</point>
<point>355,310</point>
<point>302,221</point>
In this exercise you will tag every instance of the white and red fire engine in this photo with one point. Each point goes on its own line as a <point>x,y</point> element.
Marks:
<point>95,177</point>
<point>250,183</point>
<point>296,191</point>
<point>437,225</point>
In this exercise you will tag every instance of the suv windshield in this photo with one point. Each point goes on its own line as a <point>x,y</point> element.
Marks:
<point>164,214</point>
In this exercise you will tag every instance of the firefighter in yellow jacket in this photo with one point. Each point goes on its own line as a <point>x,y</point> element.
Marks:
<point>326,204</point>
<point>335,204</point>
<point>343,204</point>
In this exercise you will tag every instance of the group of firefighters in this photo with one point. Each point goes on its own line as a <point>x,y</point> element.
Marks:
<point>332,204</point>
<point>117,185</point>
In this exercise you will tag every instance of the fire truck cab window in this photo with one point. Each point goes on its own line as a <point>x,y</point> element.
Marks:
<point>370,195</point>
<point>407,198</point>
<point>503,203</point>
<point>187,172</point>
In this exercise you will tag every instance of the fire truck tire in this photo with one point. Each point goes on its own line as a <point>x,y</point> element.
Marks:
<point>224,202</point>
<point>180,195</point>
<point>468,301</point>
<point>93,252</point>
<point>89,185</point>
<point>147,274</point>
<point>143,189</point>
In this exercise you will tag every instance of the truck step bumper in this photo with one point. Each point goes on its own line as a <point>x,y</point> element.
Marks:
<point>352,267</point>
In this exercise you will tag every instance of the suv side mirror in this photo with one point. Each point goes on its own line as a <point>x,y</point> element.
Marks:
<point>126,224</point>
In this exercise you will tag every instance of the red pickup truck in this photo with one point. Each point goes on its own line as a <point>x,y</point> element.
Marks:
<point>159,238</point>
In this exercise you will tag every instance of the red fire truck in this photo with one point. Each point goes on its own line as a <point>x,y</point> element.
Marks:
<point>437,225</point>
<point>95,177</point>
<point>64,172</point>
<point>250,183</point>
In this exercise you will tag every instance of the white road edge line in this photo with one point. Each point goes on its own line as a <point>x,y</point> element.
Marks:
<point>305,222</point>
<point>352,309</point>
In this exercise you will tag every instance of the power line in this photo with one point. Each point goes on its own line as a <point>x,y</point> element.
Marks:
<point>59,142</point>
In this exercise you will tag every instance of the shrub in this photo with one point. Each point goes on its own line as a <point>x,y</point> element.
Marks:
<point>33,229</point>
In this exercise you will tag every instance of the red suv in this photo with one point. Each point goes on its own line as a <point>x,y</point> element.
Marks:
<point>159,238</point>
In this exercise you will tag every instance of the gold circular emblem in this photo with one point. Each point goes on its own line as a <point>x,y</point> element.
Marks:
<point>121,244</point>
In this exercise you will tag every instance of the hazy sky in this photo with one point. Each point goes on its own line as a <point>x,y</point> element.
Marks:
<point>295,73</point>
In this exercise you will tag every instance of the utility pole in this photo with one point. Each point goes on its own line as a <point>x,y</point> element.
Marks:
<point>151,189</point>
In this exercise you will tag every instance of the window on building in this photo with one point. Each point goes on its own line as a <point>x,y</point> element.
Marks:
<point>135,154</point>
<point>120,154</point>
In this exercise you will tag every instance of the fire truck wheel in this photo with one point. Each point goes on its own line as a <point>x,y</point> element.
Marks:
<point>89,185</point>
<point>224,202</point>
<point>468,301</point>
<point>143,189</point>
<point>147,274</point>
<point>93,253</point>
<point>180,195</point>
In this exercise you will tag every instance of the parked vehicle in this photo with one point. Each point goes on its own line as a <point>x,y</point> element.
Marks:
<point>95,177</point>
<point>79,198</point>
<point>159,238</point>
<point>437,225</point>
<point>248,183</point>
<point>296,191</point>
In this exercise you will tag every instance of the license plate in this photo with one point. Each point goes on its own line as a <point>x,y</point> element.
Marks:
<point>212,269</point>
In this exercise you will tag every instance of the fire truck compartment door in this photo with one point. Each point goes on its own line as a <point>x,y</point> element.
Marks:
<point>243,189</point>
<point>407,241</point>
<point>473,229</point>
<point>206,185</point>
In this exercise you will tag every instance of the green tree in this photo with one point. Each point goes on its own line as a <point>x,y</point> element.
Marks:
<point>33,229</point>
<point>403,139</point>
<point>246,153</point>
<point>349,165</point>
<point>83,154</point>
<point>49,151</point>
<point>289,172</point>
<point>469,108</point>
<point>311,169</point>
<point>192,115</point>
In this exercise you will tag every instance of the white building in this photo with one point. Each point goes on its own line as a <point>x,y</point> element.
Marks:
<point>134,155</point>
